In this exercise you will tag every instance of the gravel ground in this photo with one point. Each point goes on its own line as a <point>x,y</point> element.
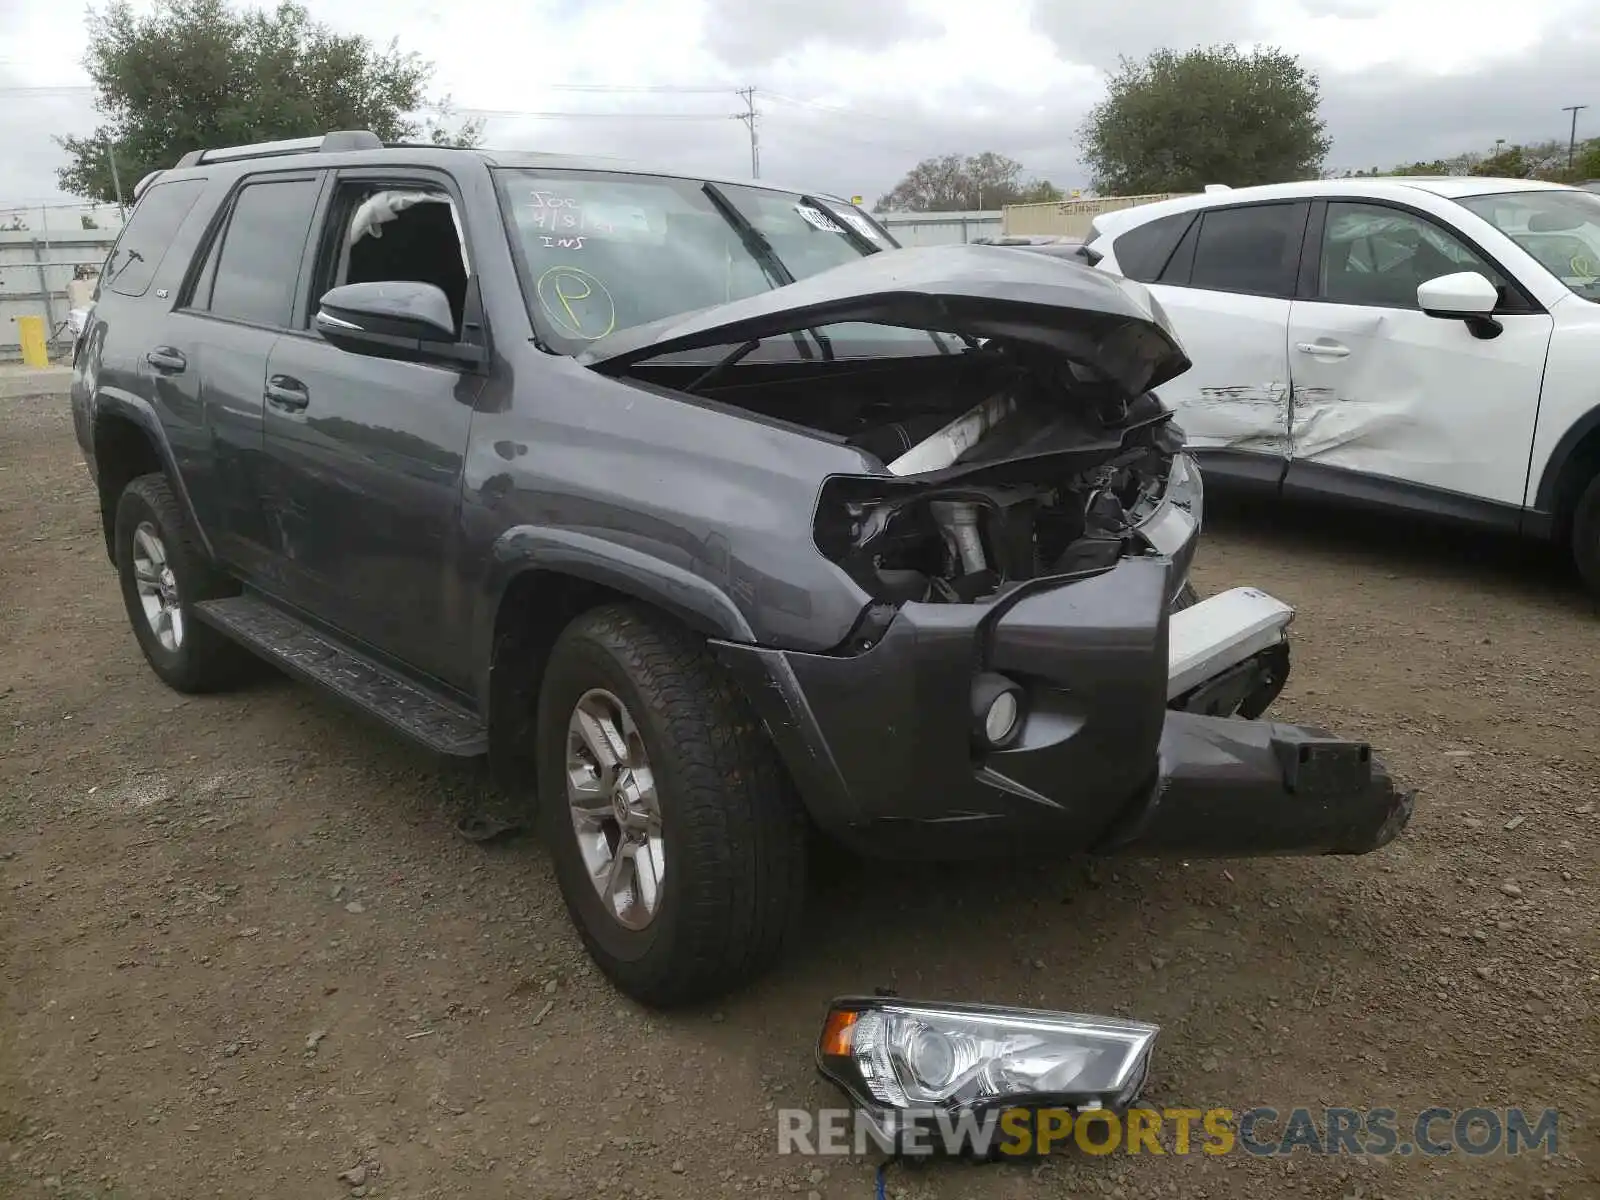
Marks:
<point>242,950</point>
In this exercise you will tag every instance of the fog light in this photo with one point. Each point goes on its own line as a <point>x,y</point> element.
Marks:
<point>996,710</point>
<point>1001,719</point>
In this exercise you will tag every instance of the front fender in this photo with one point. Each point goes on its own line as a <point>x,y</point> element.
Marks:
<point>692,599</point>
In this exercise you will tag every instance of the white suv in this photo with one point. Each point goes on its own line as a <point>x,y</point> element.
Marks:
<point>1428,344</point>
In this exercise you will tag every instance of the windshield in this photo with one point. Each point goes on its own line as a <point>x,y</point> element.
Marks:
<point>1561,229</point>
<point>602,251</point>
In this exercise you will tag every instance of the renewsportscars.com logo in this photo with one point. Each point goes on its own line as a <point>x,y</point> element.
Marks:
<point>1262,1131</point>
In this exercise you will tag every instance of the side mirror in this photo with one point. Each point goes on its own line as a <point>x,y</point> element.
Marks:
<point>392,319</point>
<point>1464,296</point>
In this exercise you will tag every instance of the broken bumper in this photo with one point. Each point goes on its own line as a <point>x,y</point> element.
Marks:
<point>1113,752</point>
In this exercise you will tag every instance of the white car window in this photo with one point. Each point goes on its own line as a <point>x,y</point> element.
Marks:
<point>1376,255</point>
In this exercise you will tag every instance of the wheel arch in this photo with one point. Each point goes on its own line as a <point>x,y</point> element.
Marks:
<point>1574,461</point>
<point>128,442</point>
<point>542,579</point>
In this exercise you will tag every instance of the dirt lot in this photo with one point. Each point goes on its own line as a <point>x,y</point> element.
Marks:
<point>244,951</point>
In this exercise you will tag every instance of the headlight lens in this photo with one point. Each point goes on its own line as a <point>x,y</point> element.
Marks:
<point>889,1054</point>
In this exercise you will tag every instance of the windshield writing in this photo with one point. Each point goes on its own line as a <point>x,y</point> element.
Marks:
<point>609,251</point>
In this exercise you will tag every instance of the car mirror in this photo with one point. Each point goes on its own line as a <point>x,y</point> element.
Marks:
<point>395,318</point>
<point>1464,294</point>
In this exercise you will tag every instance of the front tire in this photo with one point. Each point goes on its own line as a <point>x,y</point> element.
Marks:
<point>1586,536</point>
<point>678,843</point>
<point>164,573</point>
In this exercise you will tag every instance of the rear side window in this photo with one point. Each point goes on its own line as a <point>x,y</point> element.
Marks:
<point>259,261</point>
<point>150,231</point>
<point>1254,249</point>
<point>1144,250</point>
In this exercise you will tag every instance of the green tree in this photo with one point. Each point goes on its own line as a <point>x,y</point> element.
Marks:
<point>1178,121</point>
<point>191,74</point>
<point>1588,161</point>
<point>952,183</point>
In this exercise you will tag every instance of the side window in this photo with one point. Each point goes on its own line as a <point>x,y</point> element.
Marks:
<point>1144,250</point>
<point>1375,255</point>
<point>1253,249</point>
<point>259,261</point>
<point>143,244</point>
<point>392,231</point>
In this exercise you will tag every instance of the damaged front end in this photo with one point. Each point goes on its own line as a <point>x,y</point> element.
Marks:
<point>1022,527</point>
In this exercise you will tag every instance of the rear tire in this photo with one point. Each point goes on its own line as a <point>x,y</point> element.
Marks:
<point>727,845</point>
<point>164,573</point>
<point>1586,536</point>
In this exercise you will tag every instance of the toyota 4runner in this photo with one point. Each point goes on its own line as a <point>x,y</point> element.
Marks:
<point>702,509</point>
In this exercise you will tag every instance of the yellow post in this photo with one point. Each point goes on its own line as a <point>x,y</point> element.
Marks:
<point>30,331</point>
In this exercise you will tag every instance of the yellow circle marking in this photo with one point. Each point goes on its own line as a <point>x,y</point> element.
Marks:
<point>1582,265</point>
<point>561,287</point>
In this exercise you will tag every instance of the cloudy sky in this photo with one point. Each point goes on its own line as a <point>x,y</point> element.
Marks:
<point>853,92</point>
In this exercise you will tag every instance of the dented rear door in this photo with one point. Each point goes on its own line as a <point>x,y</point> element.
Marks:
<point>1395,406</point>
<point>1227,291</point>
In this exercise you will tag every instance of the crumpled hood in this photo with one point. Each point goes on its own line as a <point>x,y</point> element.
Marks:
<point>1106,323</point>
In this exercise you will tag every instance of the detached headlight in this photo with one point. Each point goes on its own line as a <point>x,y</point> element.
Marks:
<point>892,1056</point>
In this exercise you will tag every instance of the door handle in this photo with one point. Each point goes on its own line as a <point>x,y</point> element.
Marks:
<point>1323,349</point>
<point>165,358</point>
<point>287,392</point>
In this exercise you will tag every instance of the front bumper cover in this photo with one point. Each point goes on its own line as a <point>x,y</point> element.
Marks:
<point>880,743</point>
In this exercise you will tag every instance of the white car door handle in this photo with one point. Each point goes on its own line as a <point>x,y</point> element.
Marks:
<point>1323,349</point>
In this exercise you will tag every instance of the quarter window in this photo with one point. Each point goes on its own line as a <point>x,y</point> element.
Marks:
<point>1379,256</point>
<point>1144,250</point>
<point>150,231</point>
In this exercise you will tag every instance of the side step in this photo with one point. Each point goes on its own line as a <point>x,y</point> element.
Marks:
<point>436,723</point>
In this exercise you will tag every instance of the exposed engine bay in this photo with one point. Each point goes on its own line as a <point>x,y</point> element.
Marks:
<point>998,466</point>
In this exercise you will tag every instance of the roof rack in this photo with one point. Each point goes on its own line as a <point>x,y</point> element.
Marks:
<point>328,143</point>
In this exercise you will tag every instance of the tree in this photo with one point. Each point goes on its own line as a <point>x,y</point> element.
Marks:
<point>197,73</point>
<point>87,221</point>
<point>1176,122</point>
<point>955,184</point>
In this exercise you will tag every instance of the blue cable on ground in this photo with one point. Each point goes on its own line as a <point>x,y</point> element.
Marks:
<point>881,1191</point>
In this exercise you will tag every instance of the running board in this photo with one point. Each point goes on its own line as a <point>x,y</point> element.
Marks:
<point>1208,638</point>
<point>439,724</point>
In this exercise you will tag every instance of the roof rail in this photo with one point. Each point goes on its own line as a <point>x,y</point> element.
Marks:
<point>328,143</point>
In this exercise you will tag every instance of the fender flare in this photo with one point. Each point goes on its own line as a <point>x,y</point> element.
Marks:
<point>1545,498</point>
<point>693,599</point>
<point>138,411</point>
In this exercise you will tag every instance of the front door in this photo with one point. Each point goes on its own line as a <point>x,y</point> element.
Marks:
<point>1226,289</point>
<point>366,452</point>
<point>1393,405</point>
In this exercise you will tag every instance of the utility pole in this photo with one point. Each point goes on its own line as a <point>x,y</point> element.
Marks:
<point>1572,137</point>
<point>750,117</point>
<point>116,181</point>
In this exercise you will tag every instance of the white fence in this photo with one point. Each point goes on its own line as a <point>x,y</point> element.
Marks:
<point>35,269</point>
<point>941,228</point>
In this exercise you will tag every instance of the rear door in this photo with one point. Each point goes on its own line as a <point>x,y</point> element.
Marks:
<point>210,361</point>
<point>1226,286</point>
<point>1392,405</point>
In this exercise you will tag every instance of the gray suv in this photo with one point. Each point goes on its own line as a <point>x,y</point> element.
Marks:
<point>708,514</point>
